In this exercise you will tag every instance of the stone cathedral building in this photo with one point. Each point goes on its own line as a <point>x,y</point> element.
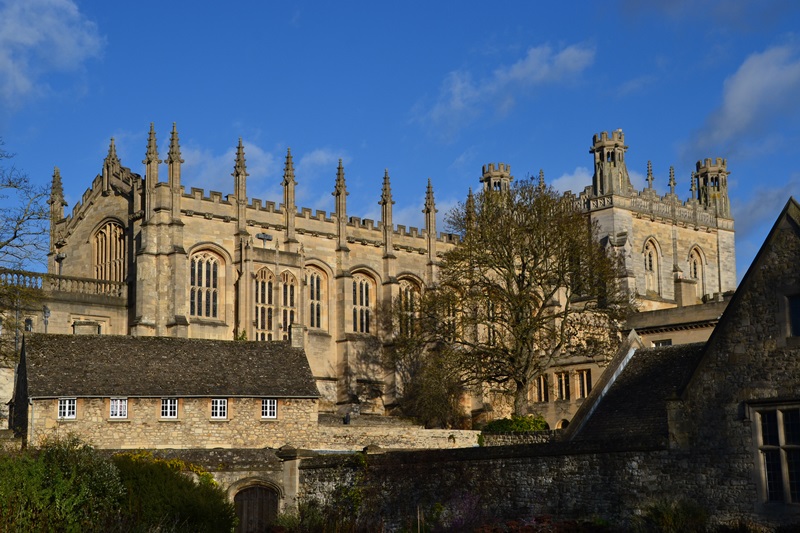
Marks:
<point>146,256</point>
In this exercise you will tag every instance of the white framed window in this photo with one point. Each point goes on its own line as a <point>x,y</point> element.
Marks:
<point>584,383</point>
<point>118,408</point>
<point>219,408</point>
<point>777,435</point>
<point>67,408</point>
<point>169,408</point>
<point>269,408</point>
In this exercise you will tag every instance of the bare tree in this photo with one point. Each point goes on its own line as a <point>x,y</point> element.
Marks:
<point>23,217</point>
<point>528,286</point>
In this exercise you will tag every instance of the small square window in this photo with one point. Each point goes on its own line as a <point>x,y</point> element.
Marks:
<point>219,408</point>
<point>269,408</point>
<point>67,408</point>
<point>661,343</point>
<point>118,408</point>
<point>169,408</point>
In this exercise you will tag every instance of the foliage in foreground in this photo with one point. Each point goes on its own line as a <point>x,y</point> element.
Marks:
<point>159,494</point>
<point>65,485</point>
<point>516,424</point>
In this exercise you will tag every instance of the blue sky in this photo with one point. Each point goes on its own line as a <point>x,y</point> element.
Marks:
<point>423,89</point>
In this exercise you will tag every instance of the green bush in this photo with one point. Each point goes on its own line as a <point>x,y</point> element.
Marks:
<point>516,424</point>
<point>62,486</point>
<point>672,516</point>
<point>161,494</point>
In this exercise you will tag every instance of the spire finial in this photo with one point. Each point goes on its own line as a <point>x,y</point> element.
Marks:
<point>693,187</point>
<point>340,187</point>
<point>672,180</point>
<point>649,175</point>
<point>56,189</point>
<point>430,205</point>
<point>151,156</point>
<point>112,152</point>
<point>541,179</point>
<point>386,191</point>
<point>288,168</point>
<point>240,166</point>
<point>174,154</point>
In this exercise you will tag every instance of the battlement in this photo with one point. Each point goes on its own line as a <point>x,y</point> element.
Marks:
<point>712,165</point>
<point>502,169</point>
<point>617,137</point>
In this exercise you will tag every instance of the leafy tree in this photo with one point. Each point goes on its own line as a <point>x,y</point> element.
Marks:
<point>23,217</point>
<point>528,286</point>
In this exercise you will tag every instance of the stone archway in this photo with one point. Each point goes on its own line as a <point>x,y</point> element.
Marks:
<point>256,508</point>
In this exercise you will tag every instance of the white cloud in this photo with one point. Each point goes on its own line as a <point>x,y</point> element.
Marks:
<point>761,206</point>
<point>38,37</point>
<point>575,182</point>
<point>462,99</point>
<point>203,168</point>
<point>760,93</point>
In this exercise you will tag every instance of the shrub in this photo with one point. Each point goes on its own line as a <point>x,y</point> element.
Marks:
<point>516,424</point>
<point>672,516</point>
<point>162,493</point>
<point>63,485</point>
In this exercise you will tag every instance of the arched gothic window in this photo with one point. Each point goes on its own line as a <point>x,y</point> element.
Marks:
<point>265,305</point>
<point>651,267</point>
<point>205,284</point>
<point>363,297</point>
<point>409,302</point>
<point>109,252</point>
<point>696,270</point>
<point>315,282</point>
<point>288,302</point>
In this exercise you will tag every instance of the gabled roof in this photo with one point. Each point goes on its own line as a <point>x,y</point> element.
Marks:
<point>629,408</point>
<point>632,410</point>
<point>111,365</point>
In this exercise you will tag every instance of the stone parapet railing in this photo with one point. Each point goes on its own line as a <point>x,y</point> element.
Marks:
<point>510,439</point>
<point>65,284</point>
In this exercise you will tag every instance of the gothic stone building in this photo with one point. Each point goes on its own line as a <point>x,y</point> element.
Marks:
<point>146,257</point>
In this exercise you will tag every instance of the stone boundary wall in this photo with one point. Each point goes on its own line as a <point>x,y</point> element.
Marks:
<point>356,438</point>
<point>511,439</point>
<point>556,479</point>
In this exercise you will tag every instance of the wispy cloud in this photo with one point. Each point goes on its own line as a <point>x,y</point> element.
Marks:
<point>762,205</point>
<point>462,98</point>
<point>761,92</point>
<point>38,37</point>
<point>575,181</point>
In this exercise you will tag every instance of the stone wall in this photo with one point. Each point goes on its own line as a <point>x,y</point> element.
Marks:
<point>511,439</point>
<point>194,428</point>
<point>528,481</point>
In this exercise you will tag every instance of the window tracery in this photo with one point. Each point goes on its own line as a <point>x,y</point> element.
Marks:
<point>109,252</point>
<point>265,305</point>
<point>205,281</point>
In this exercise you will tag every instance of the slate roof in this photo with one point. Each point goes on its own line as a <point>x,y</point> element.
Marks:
<point>110,365</point>
<point>633,411</point>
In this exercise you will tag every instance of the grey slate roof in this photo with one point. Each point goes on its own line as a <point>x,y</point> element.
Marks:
<point>110,365</point>
<point>633,411</point>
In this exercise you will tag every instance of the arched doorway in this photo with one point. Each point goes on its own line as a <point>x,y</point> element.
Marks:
<point>256,507</point>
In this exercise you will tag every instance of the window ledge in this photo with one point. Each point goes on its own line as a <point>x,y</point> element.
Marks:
<point>202,321</point>
<point>269,420</point>
<point>219,420</point>
<point>67,419</point>
<point>118,420</point>
<point>169,420</point>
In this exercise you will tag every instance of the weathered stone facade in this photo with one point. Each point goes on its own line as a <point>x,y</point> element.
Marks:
<point>712,423</point>
<point>130,256</point>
